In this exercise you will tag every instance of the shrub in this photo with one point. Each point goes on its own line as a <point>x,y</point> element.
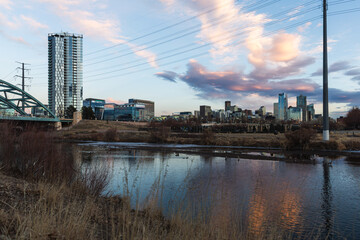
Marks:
<point>299,139</point>
<point>110,135</point>
<point>34,155</point>
<point>95,179</point>
<point>352,119</point>
<point>207,137</point>
<point>160,134</point>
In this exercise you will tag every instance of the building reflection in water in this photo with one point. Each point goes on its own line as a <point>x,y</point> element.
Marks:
<point>274,206</point>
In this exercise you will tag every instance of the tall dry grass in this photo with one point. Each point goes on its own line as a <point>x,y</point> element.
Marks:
<point>34,154</point>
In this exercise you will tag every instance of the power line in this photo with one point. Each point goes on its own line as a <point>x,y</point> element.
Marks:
<point>185,34</point>
<point>174,38</point>
<point>168,27</point>
<point>204,53</point>
<point>4,78</point>
<point>205,45</point>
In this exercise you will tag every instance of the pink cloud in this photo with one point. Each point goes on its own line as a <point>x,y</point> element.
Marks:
<point>6,4</point>
<point>111,100</point>
<point>33,23</point>
<point>285,47</point>
<point>304,27</point>
<point>92,25</point>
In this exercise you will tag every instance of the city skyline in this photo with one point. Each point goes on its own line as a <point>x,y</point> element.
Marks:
<point>274,53</point>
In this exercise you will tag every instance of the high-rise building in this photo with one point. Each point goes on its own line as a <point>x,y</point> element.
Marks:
<point>310,112</point>
<point>65,76</point>
<point>205,111</point>
<point>301,103</point>
<point>282,106</point>
<point>295,113</point>
<point>227,105</point>
<point>276,110</point>
<point>262,111</point>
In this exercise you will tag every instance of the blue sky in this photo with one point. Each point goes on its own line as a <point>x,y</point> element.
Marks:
<point>186,53</point>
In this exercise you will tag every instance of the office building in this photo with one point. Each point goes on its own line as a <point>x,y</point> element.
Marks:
<point>39,111</point>
<point>97,106</point>
<point>276,110</point>
<point>124,112</point>
<point>197,114</point>
<point>310,112</point>
<point>227,105</point>
<point>262,111</point>
<point>295,113</point>
<point>301,103</point>
<point>205,111</point>
<point>65,72</point>
<point>149,110</point>
<point>282,106</point>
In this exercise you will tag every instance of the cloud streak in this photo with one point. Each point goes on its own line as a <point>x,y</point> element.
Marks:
<point>167,75</point>
<point>335,67</point>
<point>92,25</point>
<point>33,23</point>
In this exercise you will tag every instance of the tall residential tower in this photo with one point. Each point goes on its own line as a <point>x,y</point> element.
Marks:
<point>65,56</point>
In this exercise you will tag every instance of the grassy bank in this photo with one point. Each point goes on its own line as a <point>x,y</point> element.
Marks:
<point>132,132</point>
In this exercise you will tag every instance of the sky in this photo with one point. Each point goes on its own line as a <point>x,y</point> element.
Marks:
<point>185,53</point>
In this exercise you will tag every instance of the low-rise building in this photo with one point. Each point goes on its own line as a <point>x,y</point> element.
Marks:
<point>124,112</point>
<point>149,109</point>
<point>97,106</point>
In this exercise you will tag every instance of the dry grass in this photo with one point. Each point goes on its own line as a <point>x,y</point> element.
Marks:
<point>60,211</point>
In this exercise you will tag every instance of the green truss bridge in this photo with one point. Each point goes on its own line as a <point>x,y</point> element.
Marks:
<point>14,98</point>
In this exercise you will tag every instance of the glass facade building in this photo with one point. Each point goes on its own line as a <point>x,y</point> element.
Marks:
<point>301,103</point>
<point>124,112</point>
<point>310,112</point>
<point>97,106</point>
<point>65,72</point>
<point>295,113</point>
<point>149,110</point>
<point>282,106</point>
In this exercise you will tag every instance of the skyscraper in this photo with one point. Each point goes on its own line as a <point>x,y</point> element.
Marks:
<point>282,106</point>
<point>65,76</point>
<point>310,112</point>
<point>276,110</point>
<point>301,103</point>
<point>227,105</point>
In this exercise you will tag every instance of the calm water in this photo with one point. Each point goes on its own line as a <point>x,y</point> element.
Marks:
<point>301,198</point>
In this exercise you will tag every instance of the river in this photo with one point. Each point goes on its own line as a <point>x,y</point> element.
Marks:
<point>318,198</point>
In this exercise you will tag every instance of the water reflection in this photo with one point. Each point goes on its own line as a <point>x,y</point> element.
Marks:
<point>327,199</point>
<point>301,199</point>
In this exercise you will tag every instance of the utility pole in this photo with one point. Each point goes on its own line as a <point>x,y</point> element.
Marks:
<point>23,69</point>
<point>326,135</point>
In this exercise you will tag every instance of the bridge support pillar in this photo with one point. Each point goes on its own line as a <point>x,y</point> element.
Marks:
<point>77,117</point>
<point>58,126</point>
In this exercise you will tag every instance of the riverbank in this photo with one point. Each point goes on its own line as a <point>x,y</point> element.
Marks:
<point>89,130</point>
